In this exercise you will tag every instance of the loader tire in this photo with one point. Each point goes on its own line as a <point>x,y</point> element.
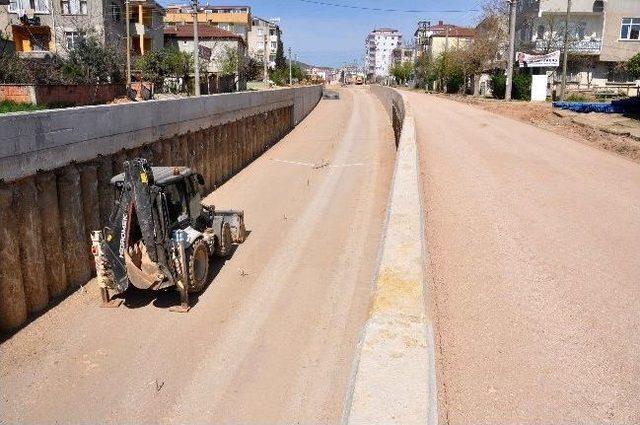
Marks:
<point>198,265</point>
<point>224,246</point>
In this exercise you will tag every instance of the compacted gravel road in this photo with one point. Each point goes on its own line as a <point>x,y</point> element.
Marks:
<point>272,339</point>
<point>534,243</point>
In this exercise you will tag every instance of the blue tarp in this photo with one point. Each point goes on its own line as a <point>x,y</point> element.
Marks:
<point>630,105</point>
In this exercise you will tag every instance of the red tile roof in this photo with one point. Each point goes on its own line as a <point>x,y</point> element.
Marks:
<point>455,32</point>
<point>204,31</point>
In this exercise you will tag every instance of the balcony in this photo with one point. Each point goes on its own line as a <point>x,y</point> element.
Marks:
<point>583,47</point>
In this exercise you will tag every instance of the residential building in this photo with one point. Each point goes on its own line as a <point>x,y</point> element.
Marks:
<point>602,35</point>
<point>434,40</point>
<point>235,19</point>
<point>264,36</point>
<point>36,28</point>
<point>213,43</point>
<point>379,47</point>
<point>403,54</point>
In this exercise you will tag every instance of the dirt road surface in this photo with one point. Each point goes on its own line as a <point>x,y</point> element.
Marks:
<point>534,244</point>
<point>272,339</point>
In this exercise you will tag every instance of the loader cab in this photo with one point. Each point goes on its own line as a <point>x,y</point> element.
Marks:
<point>182,194</point>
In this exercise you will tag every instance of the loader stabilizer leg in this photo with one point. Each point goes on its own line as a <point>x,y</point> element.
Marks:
<point>107,302</point>
<point>184,299</point>
<point>179,240</point>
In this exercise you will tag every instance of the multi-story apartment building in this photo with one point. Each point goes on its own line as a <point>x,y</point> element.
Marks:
<point>602,34</point>
<point>235,19</point>
<point>379,47</point>
<point>434,40</point>
<point>35,28</point>
<point>264,36</point>
<point>403,54</point>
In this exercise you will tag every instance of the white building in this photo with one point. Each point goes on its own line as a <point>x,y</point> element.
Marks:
<point>263,31</point>
<point>379,47</point>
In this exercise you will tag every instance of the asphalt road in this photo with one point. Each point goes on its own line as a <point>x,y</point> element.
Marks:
<point>272,339</point>
<point>534,244</point>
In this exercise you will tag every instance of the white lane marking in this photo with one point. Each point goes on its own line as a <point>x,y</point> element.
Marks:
<point>308,164</point>
<point>304,164</point>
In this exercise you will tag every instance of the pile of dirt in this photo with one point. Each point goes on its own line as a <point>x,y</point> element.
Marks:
<point>542,115</point>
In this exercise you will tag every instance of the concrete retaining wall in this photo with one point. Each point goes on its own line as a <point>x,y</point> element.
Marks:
<point>394,374</point>
<point>56,167</point>
<point>394,105</point>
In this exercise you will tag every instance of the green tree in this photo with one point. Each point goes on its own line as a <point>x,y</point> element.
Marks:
<point>281,61</point>
<point>633,66</point>
<point>160,64</point>
<point>233,62</point>
<point>402,72</point>
<point>91,62</point>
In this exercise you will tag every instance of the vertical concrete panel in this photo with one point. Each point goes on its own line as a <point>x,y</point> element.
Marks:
<point>256,135</point>
<point>236,147</point>
<point>186,151</point>
<point>156,153</point>
<point>251,130</point>
<point>31,250</point>
<point>240,144</point>
<point>167,151</point>
<point>179,151</point>
<point>133,153</point>
<point>226,152</point>
<point>73,227</point>
<point>213,158</point>
<point>217,152</point>
<point>199,153</point>
<point>147,153</point>
<point>118,159</point>
<point>56,275</point>
<point>207,142</point>
<point>13,302</point>
<point>90,206</point>
<point>105,190</point>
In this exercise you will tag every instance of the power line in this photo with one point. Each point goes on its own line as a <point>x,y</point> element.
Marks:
<point>378,9</point>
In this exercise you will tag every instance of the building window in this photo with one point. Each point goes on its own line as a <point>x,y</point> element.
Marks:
<point>116,14</point>
<point>74,7</point>
<point>71,39</point>
<point>20,6</point>
<point>630,29</point>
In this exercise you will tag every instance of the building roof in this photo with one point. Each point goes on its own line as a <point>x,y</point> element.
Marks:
<point>456,32</point>
<point>440,30</point>
<point>204,31</point>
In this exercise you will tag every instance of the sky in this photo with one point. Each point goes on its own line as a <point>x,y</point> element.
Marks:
<point>325,35</point>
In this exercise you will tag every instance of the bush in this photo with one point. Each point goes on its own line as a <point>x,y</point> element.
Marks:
<point>633,66</point>
<point>498,85</point>
<point>455,81</point>
<point>520,87</point>
<point>9,106</point>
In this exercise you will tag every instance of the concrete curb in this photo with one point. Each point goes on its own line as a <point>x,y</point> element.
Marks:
<point>394,374</point>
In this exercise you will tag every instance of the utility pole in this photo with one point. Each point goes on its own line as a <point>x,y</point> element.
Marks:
<point>512,47</point>
<point>290,69</point>
<point>446,53</point>
<point>127,12</point>
<point>196,50</point>
<point>563,86</point>
<point>266,56</point>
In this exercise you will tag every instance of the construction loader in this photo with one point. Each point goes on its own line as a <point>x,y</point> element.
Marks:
<point>160,235</point>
